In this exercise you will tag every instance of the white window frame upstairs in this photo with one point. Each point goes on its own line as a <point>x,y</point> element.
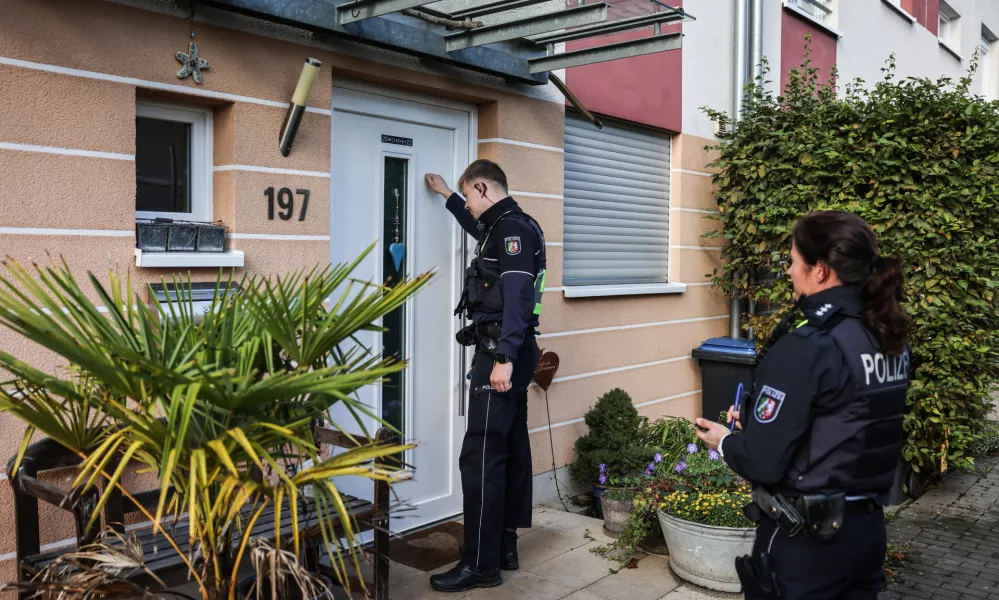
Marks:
<point>201,121</point>
<point>824,13</point>
<point>949,29</point>
<point>985,67</point>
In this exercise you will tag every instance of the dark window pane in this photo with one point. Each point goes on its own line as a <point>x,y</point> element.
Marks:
<point>162,165</point>
<point>394,340</point>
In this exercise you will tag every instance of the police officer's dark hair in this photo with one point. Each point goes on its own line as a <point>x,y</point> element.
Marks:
<point>849,246</point>
<point>483,169</point>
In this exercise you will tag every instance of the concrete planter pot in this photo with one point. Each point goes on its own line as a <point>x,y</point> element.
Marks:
<point>616,514</point>
<point>705,555</point>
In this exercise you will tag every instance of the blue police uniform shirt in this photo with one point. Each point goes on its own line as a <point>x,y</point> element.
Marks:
<point>511,249</point>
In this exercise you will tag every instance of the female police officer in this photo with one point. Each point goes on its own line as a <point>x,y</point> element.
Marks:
<point>822,432</point>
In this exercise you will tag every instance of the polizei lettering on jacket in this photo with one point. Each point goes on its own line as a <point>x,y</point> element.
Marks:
<point>886,369</point>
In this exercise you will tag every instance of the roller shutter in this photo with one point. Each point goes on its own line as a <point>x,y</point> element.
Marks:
<point>616,204</point>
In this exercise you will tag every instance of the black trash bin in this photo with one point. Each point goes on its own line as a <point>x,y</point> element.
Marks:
<point>725,363</point>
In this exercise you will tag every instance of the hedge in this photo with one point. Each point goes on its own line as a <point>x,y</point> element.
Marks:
<point>919,160</point>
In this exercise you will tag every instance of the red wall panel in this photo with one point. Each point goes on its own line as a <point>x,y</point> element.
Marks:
<point>643,89</point>
<point>794,27</point>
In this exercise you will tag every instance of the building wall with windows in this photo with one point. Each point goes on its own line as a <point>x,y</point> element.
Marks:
<point>76,74</point>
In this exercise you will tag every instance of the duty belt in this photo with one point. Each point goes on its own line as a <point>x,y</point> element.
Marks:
<point>819,515</point>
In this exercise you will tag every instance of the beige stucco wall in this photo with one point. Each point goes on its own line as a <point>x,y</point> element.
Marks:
<point>71,72</point>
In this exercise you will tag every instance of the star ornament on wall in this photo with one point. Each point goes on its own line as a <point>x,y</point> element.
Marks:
<point>192,63</point>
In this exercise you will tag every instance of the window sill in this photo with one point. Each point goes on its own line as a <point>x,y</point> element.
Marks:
<point>952,51</point>
<point>900,11</point>
<point>594,291</point>
<point>804,15</point>
<point>229,258</point>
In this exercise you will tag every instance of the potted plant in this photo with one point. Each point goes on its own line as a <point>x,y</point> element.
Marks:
<point>611,453</point>
<point>704,510</point>
<point>209,402</point>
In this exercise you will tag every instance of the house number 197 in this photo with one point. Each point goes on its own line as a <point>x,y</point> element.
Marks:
<point>286,203</point>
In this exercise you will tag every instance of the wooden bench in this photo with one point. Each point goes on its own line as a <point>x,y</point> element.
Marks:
<point>160,557</point>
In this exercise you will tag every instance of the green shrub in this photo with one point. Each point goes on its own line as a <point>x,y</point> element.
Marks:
<point>917,159</point>
<point>613,440</point>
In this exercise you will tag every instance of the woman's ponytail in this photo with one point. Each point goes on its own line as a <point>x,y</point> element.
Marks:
<point>847,243</point>
<point>882,294</point>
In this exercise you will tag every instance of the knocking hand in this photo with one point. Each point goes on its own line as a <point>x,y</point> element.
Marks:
<point>437,184</point>
<point>500,377</point>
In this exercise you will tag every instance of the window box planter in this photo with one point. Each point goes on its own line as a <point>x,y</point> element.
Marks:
<point>705,555</point>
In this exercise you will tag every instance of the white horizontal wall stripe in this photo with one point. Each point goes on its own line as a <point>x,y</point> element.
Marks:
<point>524,144</point>
<point>279,236</point>
<point>635,326</point>
<point>620,369</point>
<point>696,210</point>
<point>556,244</point>
<point>272,170</point>
<point>699,284</point>
<point>698,247</point>
<point>690,172</point>
<point>65,151</point>
<point>8,556</point>
<point>183,89</point>
<point>668,398</point>
<point>640,405</point>
<point>3,477</point>
<point>537,195</point>
<point>554,289</point>
<point>555,426</point>
<point>81,232</point>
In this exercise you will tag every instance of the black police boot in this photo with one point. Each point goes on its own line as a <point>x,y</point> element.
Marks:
<point>508,551</point>
<point>465,577</point>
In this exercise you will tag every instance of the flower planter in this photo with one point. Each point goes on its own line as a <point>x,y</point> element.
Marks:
<point>705,555</point>
<point>616,514</point>
<point>598,492</point>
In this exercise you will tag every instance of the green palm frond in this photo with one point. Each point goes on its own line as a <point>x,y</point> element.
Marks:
<point>220,405</point>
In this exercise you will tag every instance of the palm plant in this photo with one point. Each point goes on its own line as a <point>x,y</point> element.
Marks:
<point>219,405</point>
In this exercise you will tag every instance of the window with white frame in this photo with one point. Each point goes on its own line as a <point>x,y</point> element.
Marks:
<point>948,27</point>
<point>987,64</point>
<point>820,10</point>
<point>173,162</point>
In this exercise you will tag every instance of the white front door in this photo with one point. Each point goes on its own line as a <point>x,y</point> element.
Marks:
<point>382,147</point>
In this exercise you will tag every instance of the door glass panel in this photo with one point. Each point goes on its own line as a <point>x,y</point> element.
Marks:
<point>394,259</point>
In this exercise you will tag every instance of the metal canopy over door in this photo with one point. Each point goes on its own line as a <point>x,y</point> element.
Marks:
<point>382,147</point>
<point>616,204</point>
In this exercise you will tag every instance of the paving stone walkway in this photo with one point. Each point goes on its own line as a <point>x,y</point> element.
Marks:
<point>953,533</point>
<point>556,563</point>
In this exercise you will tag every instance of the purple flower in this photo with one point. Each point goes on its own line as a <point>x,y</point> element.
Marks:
<point>602,467</point>
<point>692,448</point>
<point>649,469</point>
<point>659,457</point>
<point>603,479</point>
<point>713,454</point>
<point>680,466</point>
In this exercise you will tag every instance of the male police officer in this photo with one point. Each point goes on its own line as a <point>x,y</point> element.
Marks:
<point>502,299</point>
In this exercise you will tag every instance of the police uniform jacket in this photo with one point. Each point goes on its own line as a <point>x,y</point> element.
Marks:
<point>511,245</point>
<point>826,413</point>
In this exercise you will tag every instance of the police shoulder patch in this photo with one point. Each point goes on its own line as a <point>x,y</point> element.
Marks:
<point>768,404</point>
<point>513,245</point>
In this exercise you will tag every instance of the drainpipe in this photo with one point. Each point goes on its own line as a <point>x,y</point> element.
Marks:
<point>740,73</point>
<point>756,70</point>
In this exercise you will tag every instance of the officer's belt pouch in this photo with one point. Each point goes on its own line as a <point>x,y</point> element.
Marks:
<point>467,336</point>
<point>823,514</point>
<point>781,510</point>
<point>753,512</point>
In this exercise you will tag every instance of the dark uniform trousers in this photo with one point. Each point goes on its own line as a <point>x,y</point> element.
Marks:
<point>495,460</point>
<point>847,567</point>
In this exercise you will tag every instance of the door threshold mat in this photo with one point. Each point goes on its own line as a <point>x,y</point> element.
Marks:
<point>430,548</point>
